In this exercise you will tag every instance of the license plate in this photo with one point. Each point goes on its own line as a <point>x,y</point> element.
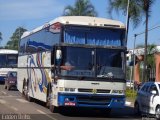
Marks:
<point>70,104</point>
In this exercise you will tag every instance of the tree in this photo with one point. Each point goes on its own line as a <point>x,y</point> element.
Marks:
<point>138,9</point>
<point>139,46</point>
<point>135,10</point>
<point>150,55</point>
<point>146,5</point>
<point>14,40</point>
<point>80,8</point>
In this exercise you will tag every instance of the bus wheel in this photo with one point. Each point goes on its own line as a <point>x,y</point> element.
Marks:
<point>49,100</point>
<point>48,96</point>
<point>24,88</point>
<point>8,88</point>
<point>53,108</point>
<point>30,99</point>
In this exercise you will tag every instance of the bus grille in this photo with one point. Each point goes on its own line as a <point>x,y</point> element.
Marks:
<point>93,100</point>
<point>91,90</point>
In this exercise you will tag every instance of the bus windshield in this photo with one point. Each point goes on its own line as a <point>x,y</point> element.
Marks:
<point>8,60</point>
<point>92,62</point>
<point>109,63</point>
<point>80,59</point>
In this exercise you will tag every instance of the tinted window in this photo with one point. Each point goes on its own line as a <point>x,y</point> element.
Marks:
<point>145,88</point>
<point>40,41</point>
<point>8,60</point>
<point>93,36</point>
<point>13,74</point>
<point>3,59</point>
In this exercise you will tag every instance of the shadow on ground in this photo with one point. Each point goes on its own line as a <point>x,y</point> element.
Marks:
<point>125,113</point>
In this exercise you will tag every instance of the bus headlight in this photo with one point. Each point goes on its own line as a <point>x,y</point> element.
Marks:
<point>61,88</point>
<point>67,89</point>
<point>118,91</point>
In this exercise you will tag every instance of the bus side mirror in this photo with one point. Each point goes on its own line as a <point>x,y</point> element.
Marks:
<point>58,56</point>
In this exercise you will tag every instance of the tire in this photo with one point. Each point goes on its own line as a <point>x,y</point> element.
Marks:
<point>24,88</point>
<point>28,98</point>
<point>52,108</point>
<point>47,97</point>
<point>157,113</point>
<point>8,88</point>
<point>136,109</point>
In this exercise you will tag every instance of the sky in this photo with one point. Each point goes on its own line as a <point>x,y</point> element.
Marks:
<point>30,14</point>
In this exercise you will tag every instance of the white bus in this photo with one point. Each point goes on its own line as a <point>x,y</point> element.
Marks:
<point>74,61</point>
<point>8,62</point>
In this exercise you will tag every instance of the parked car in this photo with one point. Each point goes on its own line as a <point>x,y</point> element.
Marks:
<point>10,80</point>
<point>148,99</point>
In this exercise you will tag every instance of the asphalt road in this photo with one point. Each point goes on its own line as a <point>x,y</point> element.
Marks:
<point>14,106</point>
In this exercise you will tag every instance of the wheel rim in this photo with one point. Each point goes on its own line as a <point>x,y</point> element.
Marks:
<point>158,112</point>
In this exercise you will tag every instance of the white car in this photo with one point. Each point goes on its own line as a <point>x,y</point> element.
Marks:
<point>148,99</point>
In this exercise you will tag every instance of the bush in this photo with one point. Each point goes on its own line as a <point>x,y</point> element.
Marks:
<point>130,93</point>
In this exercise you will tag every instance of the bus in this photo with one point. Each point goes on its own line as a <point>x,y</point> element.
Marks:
<point>74,61</point>
<point>8,62</point>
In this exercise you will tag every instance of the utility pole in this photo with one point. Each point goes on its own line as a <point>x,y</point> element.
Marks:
<point>0,38</point>
<point>127,22</point>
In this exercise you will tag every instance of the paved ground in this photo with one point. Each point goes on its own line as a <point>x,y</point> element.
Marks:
<point>11,102</point>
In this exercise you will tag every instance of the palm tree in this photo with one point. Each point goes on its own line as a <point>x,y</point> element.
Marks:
<point>80,8</point>
<point>135,11</point>
<point>138,9</point>
<point>146,5</point>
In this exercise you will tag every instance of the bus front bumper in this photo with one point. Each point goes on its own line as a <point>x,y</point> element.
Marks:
<point>91,100</point>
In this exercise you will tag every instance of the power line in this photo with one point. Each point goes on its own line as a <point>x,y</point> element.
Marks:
<point>148,30</point>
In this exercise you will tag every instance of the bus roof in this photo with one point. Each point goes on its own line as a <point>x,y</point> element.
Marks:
<point>80,20</point>
<point>8,51</point>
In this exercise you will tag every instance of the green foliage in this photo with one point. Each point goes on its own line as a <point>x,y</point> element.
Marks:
<point>130,93</point>
<point>14,39</point>
<point>80,8</point>
<point>150,55</point>
<point>140,46</point>
<point>135,10</point>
